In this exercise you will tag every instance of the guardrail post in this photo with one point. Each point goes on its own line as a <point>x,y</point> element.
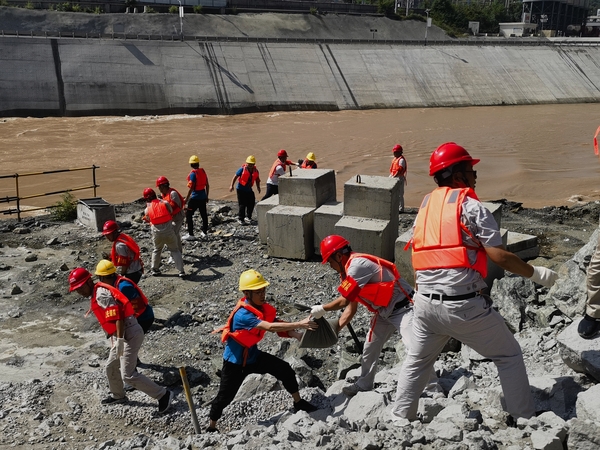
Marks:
<point>94,167</point>
<point>18,197</point>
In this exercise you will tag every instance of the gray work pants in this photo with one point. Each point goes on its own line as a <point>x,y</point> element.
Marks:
<point>476,324</point>
<point>402,183</point>
<point>169,239</point>
<point>177,224</point>
<point>120,370</point>
<point>593,284</point>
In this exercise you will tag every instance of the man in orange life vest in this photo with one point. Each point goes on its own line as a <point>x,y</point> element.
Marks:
<point>450,264</point>
<point>310,162</point>
<point>246,175</point>
<point>277,169</point>
<point>376,284</point>
<point>158,213</point>
<point>116,316</point>
<point>125,252</point>
<point>246,326</point>
<point>175,199</point>
<point>196,198</point>
<point>398,170</point>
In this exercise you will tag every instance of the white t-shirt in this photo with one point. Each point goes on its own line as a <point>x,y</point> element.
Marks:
<point>274,179</point>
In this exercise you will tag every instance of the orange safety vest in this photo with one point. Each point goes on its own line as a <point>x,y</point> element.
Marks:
<point>121,260</point>
<point>248,177</point>
<point>201,179</point>
<point>378,294</point>
<point>109,316</point>
<point>158,212</point>
<point>396,169</point>
<point>176,208</point>
<point>247,338</point>
<point>308,164</point>
<point>438,241</point>
<point>140,302</point>
<point>278,163</point>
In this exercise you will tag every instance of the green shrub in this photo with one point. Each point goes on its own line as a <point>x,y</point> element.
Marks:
<point>313,10</point>
<point>197,9</point>
<point>65,210</point>
<point>173,9</point>
<point>3,3</point>
<point>150,10</point>
<point>76,7</point>
<point>98,10</point>
<point>29,5</point>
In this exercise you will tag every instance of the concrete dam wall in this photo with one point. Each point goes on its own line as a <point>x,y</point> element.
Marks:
<point>71,77</point>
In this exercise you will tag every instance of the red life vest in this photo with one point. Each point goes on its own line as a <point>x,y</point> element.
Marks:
<point>248,178</point>
<point>278,163</point>
<point>438,241</point>
<point>140,302</point>
<point>168,197</point>
<point>378,294</point>
<point>201,179</point>
<point>158,212</point>
<point>308,164</point>
<point>396,169</point>
<point>109,316</point>
<point>121,260</point>
<point>248,338</point>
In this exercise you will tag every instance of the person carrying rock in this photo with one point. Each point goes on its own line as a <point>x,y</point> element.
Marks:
<point>159,214</point>
<point>376,283</point>
<point>177,202</point>
<point>196,198</point>
<point>246,326</point>
<point>246,176</point>
<point>453,237</point>
<point>117,318</point>
<point>310,162</point>
<point>125,253</point>
<point>398,170</point>
<point>590,323</point>
<point>277,169</point>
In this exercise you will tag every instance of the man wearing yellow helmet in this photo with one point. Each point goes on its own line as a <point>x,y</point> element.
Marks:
<point>247,324</point>
<point>246,176</point>
<point>196,198</point>
<point>310,162</point>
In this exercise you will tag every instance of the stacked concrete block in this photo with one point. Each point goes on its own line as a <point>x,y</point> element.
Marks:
<point>372,236</point>
<point>326,216</point>
<point>307,187</point>
<point>525,246</point>
<point>290,232</point>
<point>262,208</point>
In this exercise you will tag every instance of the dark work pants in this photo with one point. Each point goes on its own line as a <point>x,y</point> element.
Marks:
<point>134,276</point>
<point>233,375</point>
<point>271,190</point>
<point>246,200</point>
<point>193,205</point>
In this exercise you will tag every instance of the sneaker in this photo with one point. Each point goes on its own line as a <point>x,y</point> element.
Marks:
<point>588,327</point>
<point>181,275</point>
<point>303,405</point>
<point>164,403</point>
<point>211,430</point>
<point>203,235</point>
<point>247,221</point>
<point>352,390</point>
<point>241,222</point>
<point>110,400</point>
<point>189,237</point>
<point>154,273</point>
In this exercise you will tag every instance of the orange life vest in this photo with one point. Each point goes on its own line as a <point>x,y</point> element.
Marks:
<point>109,316</point>
<point>378,294</point>
<point>121,260</point>
<point>140,302</point>
<point>396,169</point>
<point>201,179</point>
<point>438,241</point>
<point>248,338</point>
<point>176,208</point>
<point>248,178</point>
<point>158,212</point>
<point>308,164</point>
<point>278,163</point>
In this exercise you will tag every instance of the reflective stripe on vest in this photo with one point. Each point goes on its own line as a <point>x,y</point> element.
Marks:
<point>121,260</point>
<point>107,317</point>
<point>140,302</point>
<point>158,212</point>
<point>438,240</point>
<point>201,179</point>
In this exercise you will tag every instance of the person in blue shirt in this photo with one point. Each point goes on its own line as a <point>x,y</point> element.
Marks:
<point>246,176</point>
<point>247,324</point>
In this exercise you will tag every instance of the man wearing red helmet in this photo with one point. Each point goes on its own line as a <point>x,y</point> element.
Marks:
<point>398,170</point>
<point>450,264</point>
<point>375,283</point>
<point>177,203</point>
<point>277,169</point>
<point>117,318</point>
<point>125,253</point>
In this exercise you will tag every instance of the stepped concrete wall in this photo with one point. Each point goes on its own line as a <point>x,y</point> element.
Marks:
<point>96,76</point>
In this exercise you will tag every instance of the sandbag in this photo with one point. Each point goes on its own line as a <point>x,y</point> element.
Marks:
<point>323,337</point>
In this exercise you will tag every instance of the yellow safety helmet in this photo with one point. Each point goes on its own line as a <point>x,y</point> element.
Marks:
<point>311,157</point>
<point>194,160</point>
<point>105,268</point>
<point>251,280</point>
<point>251,160</point>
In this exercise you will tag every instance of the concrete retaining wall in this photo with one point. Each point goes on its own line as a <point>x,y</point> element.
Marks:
<point>87,77</point>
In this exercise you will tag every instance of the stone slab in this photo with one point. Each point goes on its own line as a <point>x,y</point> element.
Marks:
<point>262,208</point>
<point>326,216</point>
<point>307,187</point>
<point>372,236</point>
<point>290,232</point>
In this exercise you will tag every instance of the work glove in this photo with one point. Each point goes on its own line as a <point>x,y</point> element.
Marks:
<point>120,347</point>
<point>317,311</point>
<point>544,276</point>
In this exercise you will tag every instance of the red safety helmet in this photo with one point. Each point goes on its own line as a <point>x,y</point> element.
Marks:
<point>77,278</point>
<point>447,155</point>
<point>332,244</point>
<point>161,180</point>
<point>149,194</point>
<point>397,148</point>
<point>281,153</point>
<point>110,226</point>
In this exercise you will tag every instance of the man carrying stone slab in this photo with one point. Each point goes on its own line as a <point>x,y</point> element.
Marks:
<point>590,323</point>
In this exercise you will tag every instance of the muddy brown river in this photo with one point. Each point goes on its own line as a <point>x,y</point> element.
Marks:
<point>538,155</point>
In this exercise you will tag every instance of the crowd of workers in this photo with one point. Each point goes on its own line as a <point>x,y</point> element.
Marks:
<point>454,236</point>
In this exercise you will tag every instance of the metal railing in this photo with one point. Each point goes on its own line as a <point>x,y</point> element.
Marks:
<point>17,198</point>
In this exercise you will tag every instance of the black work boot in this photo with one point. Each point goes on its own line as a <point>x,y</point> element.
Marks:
<point>588,327</point>
<point>303,405</point>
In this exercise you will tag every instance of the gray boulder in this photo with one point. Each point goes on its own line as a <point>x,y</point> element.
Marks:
<point>511,296</point>
<point>581,355</point>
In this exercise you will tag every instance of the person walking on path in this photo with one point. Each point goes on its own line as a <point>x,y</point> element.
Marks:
<point>247,324</point>
<point>453,237</point>
<point>277,169</point>
<point>116,317</point>
<point>398,170</point>
<point>375,283</point>
<point>310,162</point>
<point>196,198</point>
<point>590,323</point>
<point>246,176</point>
<point>177,202</point>
<point>125,253</point>
<point>159,214</point>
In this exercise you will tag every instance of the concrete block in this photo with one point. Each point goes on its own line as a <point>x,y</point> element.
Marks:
<point>290,232</point>
<point>93,212</point>
<point>373,197</point>
<point>326,216</point>
<point>496,210</point>
<point>307,187</point>
<point>262,208</point>
<point>402,258</point>
<point>372,236</point>
<point>525,246</point>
